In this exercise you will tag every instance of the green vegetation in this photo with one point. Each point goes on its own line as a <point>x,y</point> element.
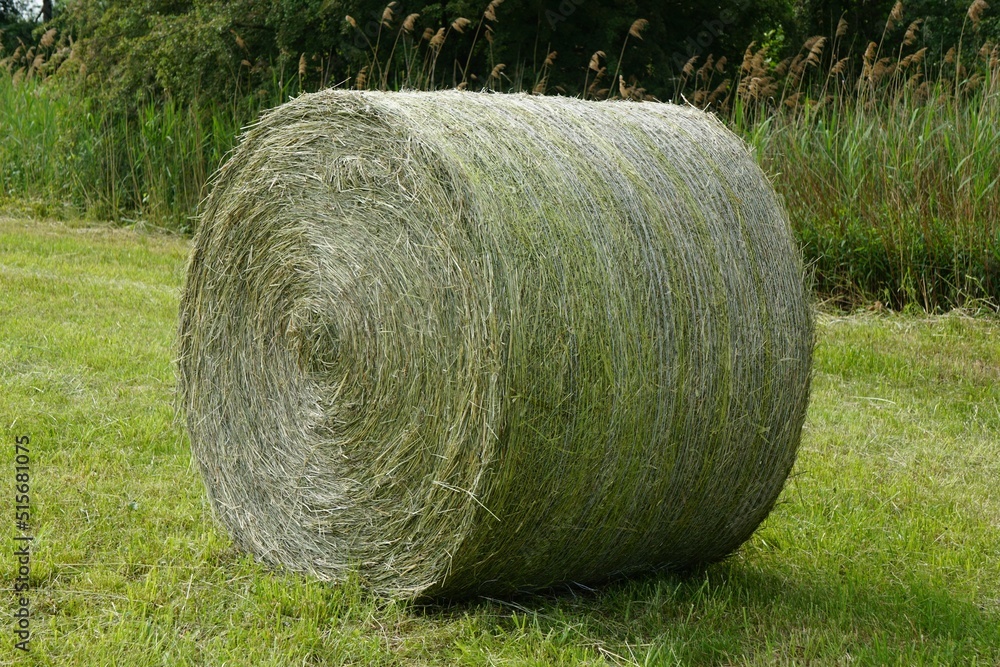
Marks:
<point>881,550</point>
<point>891,176</point>
<point>62,152</point>
<point>188,49</point>
<point>881,137</point>
<point>900,206</point>
<point>883,150</point>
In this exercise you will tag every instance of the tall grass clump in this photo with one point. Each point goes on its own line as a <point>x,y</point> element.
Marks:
<point>150,165</point>
<point>887,161</point>
<point>146,162</point>
<point>897,203</point>
<point>33,136</point>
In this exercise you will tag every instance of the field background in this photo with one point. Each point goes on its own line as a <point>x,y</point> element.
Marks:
<point>882,549</point>
<point>878,122</point>
<point>879,125</point>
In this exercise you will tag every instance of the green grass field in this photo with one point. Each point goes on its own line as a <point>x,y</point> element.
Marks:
<point>884,547</point>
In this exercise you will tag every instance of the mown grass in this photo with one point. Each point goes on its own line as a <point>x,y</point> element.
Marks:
<point>882,550</point>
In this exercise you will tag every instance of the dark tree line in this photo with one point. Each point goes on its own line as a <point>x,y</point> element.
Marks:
<point>222,49</point>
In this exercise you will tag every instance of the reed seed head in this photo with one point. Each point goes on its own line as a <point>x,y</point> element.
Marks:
<point>895,16</point>
<point>437,41</point>
<point>638,26</point>
<point>388,13</point>
<point>976,10</point>
<point>48,39</point>
<point>595,60</point>
<point>688,68</point>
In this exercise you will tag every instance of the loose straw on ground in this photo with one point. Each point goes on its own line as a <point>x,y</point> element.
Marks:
<point>467,344</point>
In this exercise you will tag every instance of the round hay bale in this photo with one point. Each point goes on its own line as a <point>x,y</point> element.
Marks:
<point>466,343</point>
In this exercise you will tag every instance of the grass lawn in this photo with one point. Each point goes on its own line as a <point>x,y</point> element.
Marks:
<point>884,547</point>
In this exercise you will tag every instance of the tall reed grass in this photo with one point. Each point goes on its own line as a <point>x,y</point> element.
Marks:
<point>150,165</point>
<point>887,163</point>
<point>894,203</point>
<point>886,157</point>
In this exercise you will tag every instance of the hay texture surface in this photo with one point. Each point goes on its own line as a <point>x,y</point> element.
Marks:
<point>466,343</point>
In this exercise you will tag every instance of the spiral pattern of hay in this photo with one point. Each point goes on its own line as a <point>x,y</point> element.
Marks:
<point>467,343</point>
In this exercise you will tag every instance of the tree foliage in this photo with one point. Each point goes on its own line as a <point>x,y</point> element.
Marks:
<point>222,50</point>
<point>189,49</point>
<point>11,11</point>
<point>15,26</point>
<point>943,23</point>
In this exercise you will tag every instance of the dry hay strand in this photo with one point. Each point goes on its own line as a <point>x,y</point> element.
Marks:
<point>465,343</point>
